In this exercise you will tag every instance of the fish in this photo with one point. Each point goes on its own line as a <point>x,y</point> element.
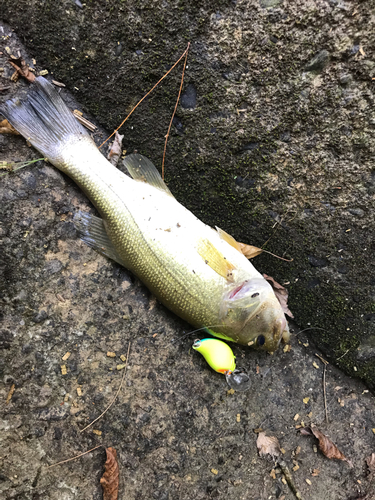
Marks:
<point>196,271</point>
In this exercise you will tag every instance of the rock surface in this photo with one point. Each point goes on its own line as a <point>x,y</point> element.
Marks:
<point>178,431</point>
<point>277,94</point>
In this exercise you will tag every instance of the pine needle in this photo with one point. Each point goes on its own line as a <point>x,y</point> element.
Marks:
<point>144,97</point>
<point>77,456</point>
<point>174,111</point>
<point>114,399</point>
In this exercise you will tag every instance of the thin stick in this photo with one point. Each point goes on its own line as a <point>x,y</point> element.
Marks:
<point>114,399</point>
<point>174,111</point>
<point>70,459</point>
<point>273,255</point>
<point>324,392</point>
<point>136,106</point>
<point>289,478</point>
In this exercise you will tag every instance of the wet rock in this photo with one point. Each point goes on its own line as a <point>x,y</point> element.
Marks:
<point>268,4</point>
<point>53,266</point>
<point>40,316</point>
<point>6,338</point>
<point>317,262</point>
<point>345,79</point>
<point>53,414</point>
<point>119,49</point>
<point>189,97</point>
<point>358,212</point>
<point>318,62</point>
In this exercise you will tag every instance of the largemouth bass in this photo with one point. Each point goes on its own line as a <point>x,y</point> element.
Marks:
<point>198,272</point>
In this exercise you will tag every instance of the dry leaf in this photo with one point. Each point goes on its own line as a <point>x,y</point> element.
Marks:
<point>6,128</point>
<point>370,461</point>
<point>326,446</point>
<point>249,251</point>
<point>281,294</point>
<point>268,445</point>
<point>116,149</point>
<point>22,68</point>
<point>110,478</point>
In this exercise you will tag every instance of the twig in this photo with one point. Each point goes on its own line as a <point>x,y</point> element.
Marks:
<point>114,399</point>
<point>289,479</point>
<point>73,458</point>
<point>144,97</point>
<point>174,111</point>
<point>324,393</point>
<point>10,394</point>
<point>274,255</point>
<point>325,363</point>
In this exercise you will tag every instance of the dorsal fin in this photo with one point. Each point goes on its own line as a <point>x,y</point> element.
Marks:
<point>228,238</point>
<point>142,169</point>
<point>215,259</point>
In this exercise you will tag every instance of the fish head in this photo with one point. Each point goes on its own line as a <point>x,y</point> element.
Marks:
<point>253,316</point>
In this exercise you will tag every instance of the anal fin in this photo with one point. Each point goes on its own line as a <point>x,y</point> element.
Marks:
<point>92,231</point>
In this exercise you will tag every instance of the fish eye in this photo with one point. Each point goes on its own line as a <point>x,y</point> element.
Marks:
<point>261,340</point>
<point>197,343</point>
<point>255,295</point>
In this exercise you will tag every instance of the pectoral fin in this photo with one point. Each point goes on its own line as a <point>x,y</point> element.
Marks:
<point>228,238</point>
<point>215,259</point>
<point>142,169</point>
<point>92,231</point>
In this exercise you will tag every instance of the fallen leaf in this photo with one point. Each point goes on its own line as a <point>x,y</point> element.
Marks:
<point>22,68</point>
<point>6,128</point>
<point>268,445</point>
<point>370,461</point>
<point>281,294</point>
<point>10,394</point>
<point>110,478</point>
<point>249,251</point>
<point>116,149</point>
<point>326,446</point>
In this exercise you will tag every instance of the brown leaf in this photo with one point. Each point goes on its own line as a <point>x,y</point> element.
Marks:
<point>326,446</point>
<point>7,128</point>
<point>116,149</point>
<point>370,461</point>
<point>110,478</point>
<point>249,251</point>
<point>281,294</point>
<point>22,68</point>
<point>268,445</point>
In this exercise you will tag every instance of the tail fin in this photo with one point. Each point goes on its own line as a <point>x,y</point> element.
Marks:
<point>43,119</point>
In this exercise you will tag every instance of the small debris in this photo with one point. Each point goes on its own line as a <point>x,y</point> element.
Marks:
<point>86,123</point>
<point>268,445</point>
<point>44,72</point>
<point>79,391</point>
<point>296,417</point>
<point>7,128</point>
<point>66,397</point>
<point>58,84</point>
<point>98,433</point>
<point>295,468</point>
<point>306,400</point>
<point>287,348</point>
<point>66,356</point>
<point>273,474</point>
<point>116,149</point>
<point>297,451</point>
<point>120,367</point>
<point>64,371</point>
<point>123,357</point>
<point>315,365</point>
<point>22,69</point>
<point>111,354</point>
<point>230,392</point>
<point>215,472</point>
<point>10,394</point>
<point>308,482</point>
<point>315,472</point>
<point>283,480</point>
<point>238,418</point>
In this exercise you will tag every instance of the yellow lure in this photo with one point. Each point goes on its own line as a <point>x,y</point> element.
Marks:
<point>218,354</point>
